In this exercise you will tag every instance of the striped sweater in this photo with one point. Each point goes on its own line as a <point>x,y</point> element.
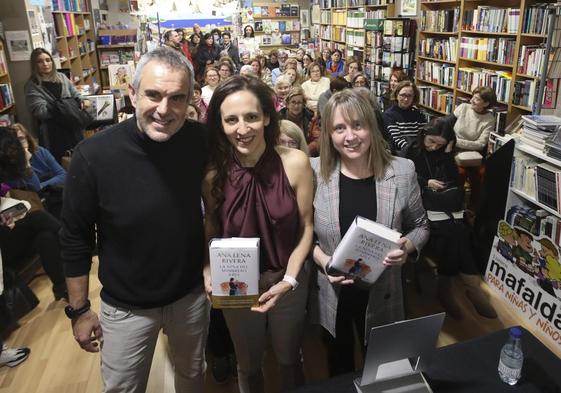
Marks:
<point>403,125</point>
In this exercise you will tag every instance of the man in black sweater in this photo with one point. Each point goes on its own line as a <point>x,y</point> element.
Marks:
<point>138,184</point>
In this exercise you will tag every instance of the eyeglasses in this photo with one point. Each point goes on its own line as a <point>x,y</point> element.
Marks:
<point>405,95</point>
<point>290,143</point>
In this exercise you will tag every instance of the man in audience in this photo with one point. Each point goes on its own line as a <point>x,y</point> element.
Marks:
<point>149,229</point>
<point>283,56</point>
<point>229,49</point>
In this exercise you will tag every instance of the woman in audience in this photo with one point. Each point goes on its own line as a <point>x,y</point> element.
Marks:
<point>194,43</point>
<point>292,136</point>
<point>473,126</point>
<point>245,58</point>
<point>297,113</point>
<point>212,78</point>
<point>306,61</point>
<point>282,88</point>
<point>335,66</point>
<point>207,54</point>
<point>197,100</point>
<point>352,67</point>
<point>37,231</point>
<point>225,69</point>
<point>325,56</point>
<point>264,70</point>
<point>360,80</point>
<point>193,112</point>
<point>314,86</point>
<point>257,70</point>
<point>437,174</point>
<point>403,121</point>
<point>356,175</point>
<point>252,186</point>
<point>248,42</point>
<point>42,90</point>
<point>397,75</point>
<point>300,52</point>
<point>273,60</point>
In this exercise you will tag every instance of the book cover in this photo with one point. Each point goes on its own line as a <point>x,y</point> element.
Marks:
<point>360,253</point>
<point>294,9</point>
<point>542,120</point>
<point>234,270</point>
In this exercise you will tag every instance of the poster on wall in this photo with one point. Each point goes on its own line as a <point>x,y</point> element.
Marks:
<point>120,76</point>
<point>305,18</point>
<point>19,45</point>
<point>524,269</point>
<point>408,8</point>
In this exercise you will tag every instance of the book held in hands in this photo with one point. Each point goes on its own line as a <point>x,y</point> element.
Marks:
<point>234,271</point>
<point>362,250</point>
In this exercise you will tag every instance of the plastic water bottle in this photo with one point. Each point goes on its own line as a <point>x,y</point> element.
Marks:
<point>510,363</point>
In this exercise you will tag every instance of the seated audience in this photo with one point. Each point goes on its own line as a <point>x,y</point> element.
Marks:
<point>314,86</point>
<point>292,136</point>
<point>442,191</point>
<point>335,66</point>
<point>212,78</point>
<point>297,113</point>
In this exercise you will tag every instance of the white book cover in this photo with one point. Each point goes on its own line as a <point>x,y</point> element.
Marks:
<point>234,269</point>
<point>360,253</point>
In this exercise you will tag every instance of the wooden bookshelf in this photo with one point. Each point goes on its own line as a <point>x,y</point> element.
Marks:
<point>76,41</point>
<point>271,29</point>
<point>7,100</point>
<point>459,31</point>
<point>116,47</point>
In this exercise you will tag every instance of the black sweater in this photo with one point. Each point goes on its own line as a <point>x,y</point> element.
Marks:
<point>436,165</point>
<point>144,197</point>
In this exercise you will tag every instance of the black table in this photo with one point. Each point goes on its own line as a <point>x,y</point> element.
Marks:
<point>471,366</point>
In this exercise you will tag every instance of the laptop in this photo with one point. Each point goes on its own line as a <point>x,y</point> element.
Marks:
<point>397,354</point>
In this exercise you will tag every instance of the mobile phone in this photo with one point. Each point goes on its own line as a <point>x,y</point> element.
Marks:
<point>14,211</point>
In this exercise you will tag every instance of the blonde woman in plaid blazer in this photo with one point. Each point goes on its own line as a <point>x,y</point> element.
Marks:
<point>352,147</point>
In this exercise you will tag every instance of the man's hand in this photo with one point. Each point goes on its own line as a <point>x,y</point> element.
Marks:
<point>270,298</point>
<point>87,331</point>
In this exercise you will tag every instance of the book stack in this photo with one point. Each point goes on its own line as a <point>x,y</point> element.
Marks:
<point>356,19</point>
<point>439,48</point>
<point>538,129</point>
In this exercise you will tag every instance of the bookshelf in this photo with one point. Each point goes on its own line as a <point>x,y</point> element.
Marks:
<point>345,25</point>
<point>464,44</point>
<point>7,102</point>
<point>116,46</point>
<point>76,41</point>
<point>276,25</point>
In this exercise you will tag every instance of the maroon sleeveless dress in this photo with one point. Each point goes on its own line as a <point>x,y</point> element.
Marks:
<point>259,202</point>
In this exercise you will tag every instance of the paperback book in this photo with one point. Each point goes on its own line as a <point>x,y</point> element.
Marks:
<point>362,250</point>
<point>234,270</point>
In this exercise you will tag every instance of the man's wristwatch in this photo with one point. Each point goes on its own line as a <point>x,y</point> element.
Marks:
<point>76,312</point>
<point>291,280</point>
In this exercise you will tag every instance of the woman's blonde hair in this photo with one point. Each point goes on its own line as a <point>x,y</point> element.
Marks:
<point>292,130</point>
<point>354,106</point>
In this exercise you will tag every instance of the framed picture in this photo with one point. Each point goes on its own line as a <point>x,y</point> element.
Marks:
<point>103,107</point>
<point>305,18</point>
<point>408,8</point>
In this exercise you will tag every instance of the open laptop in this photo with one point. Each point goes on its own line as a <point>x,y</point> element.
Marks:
<point>397,354</point>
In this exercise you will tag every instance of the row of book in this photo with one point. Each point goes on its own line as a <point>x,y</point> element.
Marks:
<point>535,19</point>
<point>356,19</point>
<point>396,43</point>
<point>531,60</point>
<point>434,72</point>
<point>440,20</point>
<point>378,72</point>
<point>496,50</point>
<point>339,33</point>
<point>274,11</point>
<point>376,14</point>
<point>116,57</point>
<point>325,17</point>
<point>277,38</point>
<point>67,26</point>
<point>3,63</point>
<point>399,27</point>
<point>470,78</point>
<point>326,4</point>
<point>524,93</point>
<point>538,222</point>
<point>6,95</point>
<point>339,18</point>
<point>439,48</point>
<point>438,99</point>
<point>397,59</point>
<point>268,25</point>
<point>355,37</point>
<point>491,20</point>
<point>70,5</point>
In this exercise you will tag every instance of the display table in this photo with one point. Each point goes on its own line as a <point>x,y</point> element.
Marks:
<point>471,366</point>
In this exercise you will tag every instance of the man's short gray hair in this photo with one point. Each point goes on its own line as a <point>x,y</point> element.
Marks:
<point>171,58</point>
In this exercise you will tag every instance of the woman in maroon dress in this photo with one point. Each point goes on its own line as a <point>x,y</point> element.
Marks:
<point>255,188</point>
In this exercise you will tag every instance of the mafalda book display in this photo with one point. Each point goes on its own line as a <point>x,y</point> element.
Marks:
<point>234,270</point>
<point>362,250</point>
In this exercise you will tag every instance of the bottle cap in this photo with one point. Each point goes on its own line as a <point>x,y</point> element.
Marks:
<point>516,332</point>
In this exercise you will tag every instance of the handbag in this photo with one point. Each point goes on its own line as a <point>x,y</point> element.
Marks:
<point>16,301</point>
<point>69,112</point>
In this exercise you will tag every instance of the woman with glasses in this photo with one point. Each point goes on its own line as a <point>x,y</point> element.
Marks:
<point>292,136</point>
<point>360,80</point>
<point>296,112</point>
<point>315,86</point>
<point>403,121</point>
<point>212,78</point>
<point>356,175</point>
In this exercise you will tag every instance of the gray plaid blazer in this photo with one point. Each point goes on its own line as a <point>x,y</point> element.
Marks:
<point>399,206</point>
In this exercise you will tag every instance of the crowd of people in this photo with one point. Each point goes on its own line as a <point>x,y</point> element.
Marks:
<point>290,149</point>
